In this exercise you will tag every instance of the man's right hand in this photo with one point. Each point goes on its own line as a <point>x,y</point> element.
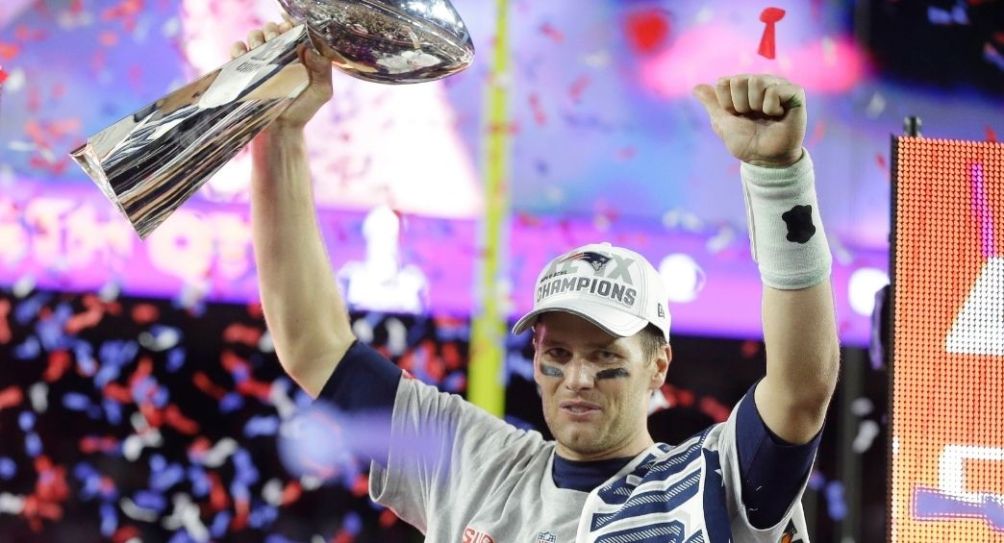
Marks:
<point>319,68</point>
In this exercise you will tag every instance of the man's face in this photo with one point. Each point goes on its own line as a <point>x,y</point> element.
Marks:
<point>595,387</point>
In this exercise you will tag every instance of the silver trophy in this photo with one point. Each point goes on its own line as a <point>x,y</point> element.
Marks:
<point>151,162</point>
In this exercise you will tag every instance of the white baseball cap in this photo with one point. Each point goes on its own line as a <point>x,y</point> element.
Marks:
<point>614,288</point>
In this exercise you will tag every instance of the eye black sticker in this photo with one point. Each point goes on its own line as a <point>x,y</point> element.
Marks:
<point>612,373</point>
<point>551,371</point>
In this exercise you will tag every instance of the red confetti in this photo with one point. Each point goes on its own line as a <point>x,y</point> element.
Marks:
<point>880,160</point>
<point>292,492</point>
<point>205,384</point>
<point>59,362</point>
<point>239,333</point>
<point>9,50</point>
<point>117,392</point>
<point>715,409</point>
<point>125,533</point>
<point>361,486</point>
<point>551,32</point>
<point>578,87</point>
<point>387,518</point>
<point>145,314</point>
<point>179,421</point>
<point>10,396</point>
<point>3,76</point>
<point>988,130</point>
<point>5,334</point>
<point>647,30</point>
<point>218,498</point>
<point>769,16</point>
<point>538,112</point>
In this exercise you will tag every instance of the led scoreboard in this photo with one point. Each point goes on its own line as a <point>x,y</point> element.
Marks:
<point>947,451</point>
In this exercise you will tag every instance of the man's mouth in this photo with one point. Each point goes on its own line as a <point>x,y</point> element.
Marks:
<point>579,407</point>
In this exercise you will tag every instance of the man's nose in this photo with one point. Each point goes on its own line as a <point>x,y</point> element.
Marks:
<point>579,375</point>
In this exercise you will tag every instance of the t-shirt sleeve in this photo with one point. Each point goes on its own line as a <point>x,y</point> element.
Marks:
<point>444,453</point>
<point>773,470</point>
<point>763,480</point>
<point>364,384</point>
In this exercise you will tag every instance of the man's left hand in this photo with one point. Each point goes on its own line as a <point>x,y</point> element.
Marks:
<point>761,118</point>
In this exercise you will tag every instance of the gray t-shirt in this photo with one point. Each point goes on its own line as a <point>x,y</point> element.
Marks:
<point>461,475</point>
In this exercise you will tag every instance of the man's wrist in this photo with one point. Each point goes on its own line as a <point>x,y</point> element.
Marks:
<point>785,161</point>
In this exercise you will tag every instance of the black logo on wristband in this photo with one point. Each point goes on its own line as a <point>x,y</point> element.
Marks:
<point>799,221</point>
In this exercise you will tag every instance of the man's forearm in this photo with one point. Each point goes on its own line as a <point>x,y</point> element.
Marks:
<point>303,308</point>
<point>803,354</point>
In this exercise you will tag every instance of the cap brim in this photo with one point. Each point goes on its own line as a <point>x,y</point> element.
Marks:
<point>613,321</point>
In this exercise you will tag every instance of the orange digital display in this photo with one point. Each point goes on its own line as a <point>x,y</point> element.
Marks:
<point>947,451</point>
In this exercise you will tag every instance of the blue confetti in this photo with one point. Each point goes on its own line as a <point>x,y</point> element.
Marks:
<point>157,462</point>
<point>182,536</point>
<point>27,310</point>
<point>26,421</point>
<point>29,350</point>
<point>113,411</point>
<point>262,516</point>
<point>261,426</point>
<point>220,524</point>
<point>175,359</point>
<point>352,523</point>
<point>231,402</point>
<point>52,330</point>
<point>142,389</point>
<point>160,396</point>
<point>164,479</point>
<point>84,354</point>
<point>245,470</point>
<point>76,401</point>
<point>109,520</point>
<point>33,444</point>
<point>836,506</point>
<point>152,501</point>
<point>239,492</point>
<point>8,468</point>
<point>83,471</point>
<point>200,481</point>
<point>278,538</point>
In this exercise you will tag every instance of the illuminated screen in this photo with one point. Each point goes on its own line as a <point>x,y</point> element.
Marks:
<point>948,347</point>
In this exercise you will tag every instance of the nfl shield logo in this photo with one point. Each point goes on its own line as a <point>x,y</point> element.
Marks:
<point>546,537</point>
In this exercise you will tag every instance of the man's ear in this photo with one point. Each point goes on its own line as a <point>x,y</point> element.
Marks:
<point>662,361</point>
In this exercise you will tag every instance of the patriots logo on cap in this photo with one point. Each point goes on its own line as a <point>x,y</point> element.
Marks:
<point>596,260</point>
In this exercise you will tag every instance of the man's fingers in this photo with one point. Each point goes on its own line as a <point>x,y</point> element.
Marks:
<point>739,90</point>
<point>780,98</point>
<point>706,95</point>
<point>723,92</point>
<point>755,92</point>
<point>270,30</point>
<point>772,102</point>
<point>238,49</point>
<point>255,38</point>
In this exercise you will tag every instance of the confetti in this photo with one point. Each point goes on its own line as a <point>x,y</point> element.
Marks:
<point>647,30</point>
<point>769,16</point>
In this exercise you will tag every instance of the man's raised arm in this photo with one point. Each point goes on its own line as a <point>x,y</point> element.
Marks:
<point>762,119</point>
<point>303,309</point>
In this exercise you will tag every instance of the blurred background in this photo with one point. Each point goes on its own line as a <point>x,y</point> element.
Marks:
<point>139,393</point>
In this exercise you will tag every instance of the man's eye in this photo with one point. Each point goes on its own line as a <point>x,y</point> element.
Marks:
<point>557,353</point>
<point>608,355</point>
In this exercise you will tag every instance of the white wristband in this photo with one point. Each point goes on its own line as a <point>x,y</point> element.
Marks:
<point>786,232</point>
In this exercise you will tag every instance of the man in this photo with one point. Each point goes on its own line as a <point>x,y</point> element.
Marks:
<point>600,332</point>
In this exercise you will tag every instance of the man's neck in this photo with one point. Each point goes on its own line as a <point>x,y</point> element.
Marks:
<point>627,450</point>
